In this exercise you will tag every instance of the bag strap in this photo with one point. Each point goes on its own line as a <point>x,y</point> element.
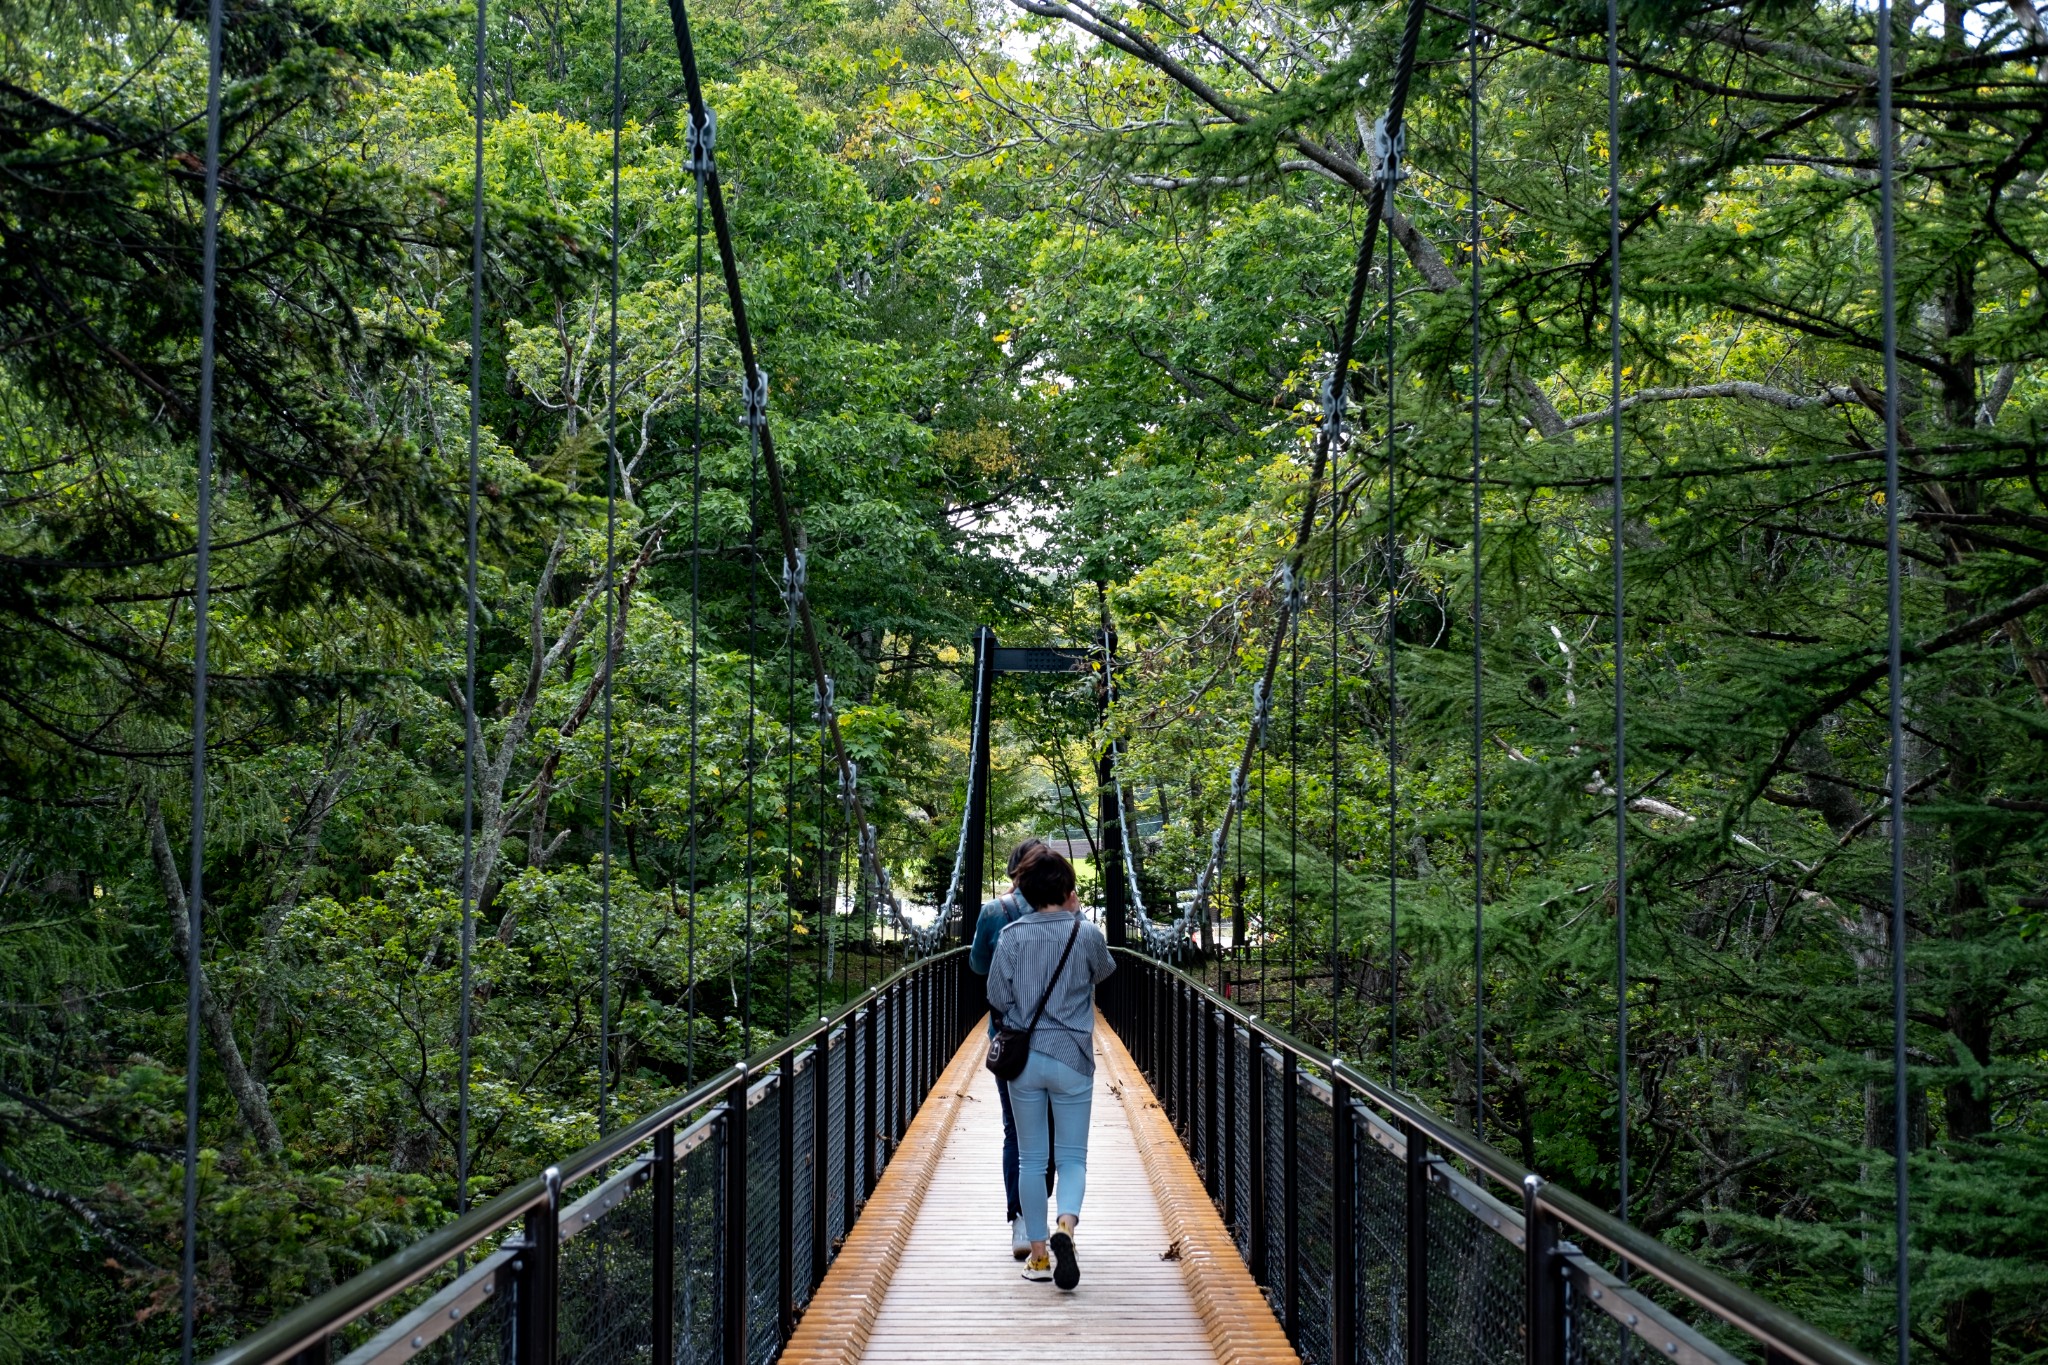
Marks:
<point>1072,934</point>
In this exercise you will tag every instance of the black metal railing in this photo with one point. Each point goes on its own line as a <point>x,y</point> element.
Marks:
<point>694,1236</point>
<point>1384,1235</point>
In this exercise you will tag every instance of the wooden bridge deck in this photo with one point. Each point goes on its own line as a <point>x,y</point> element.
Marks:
<point>926,1275</point>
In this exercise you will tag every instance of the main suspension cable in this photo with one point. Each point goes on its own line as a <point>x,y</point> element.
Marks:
<point>1895,710</point>
<point>755,382</point>
<point>202,568</point>
<point>1340,369</point>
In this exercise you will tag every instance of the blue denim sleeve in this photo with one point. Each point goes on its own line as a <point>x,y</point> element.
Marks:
<point>982,951</point>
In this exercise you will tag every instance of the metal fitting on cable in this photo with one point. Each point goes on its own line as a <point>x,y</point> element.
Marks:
<point>821,702</point>
<point>849,784</point>
<point>1389,151</point>
<point>1294,593</point>
<point>699,140</point>
<point>795,578</point>
<point>754,392</point>
<point>1333,406</point>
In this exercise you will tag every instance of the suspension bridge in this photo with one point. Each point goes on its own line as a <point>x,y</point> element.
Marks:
<point>1255,1197</point>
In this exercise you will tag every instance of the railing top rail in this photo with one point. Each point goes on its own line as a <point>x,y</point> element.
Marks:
<point>1740,1308</point>
<point>335,1309</point>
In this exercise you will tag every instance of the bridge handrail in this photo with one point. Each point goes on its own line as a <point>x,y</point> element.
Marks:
<point>318,1318</point>
<point>1783,1333</point>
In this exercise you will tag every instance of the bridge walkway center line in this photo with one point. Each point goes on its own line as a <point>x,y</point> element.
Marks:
<point>926,1275</point>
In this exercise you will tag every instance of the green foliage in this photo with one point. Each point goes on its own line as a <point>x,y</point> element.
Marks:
<point>1046,317</point>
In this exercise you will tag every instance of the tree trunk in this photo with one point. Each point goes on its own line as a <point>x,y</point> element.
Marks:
<point>250,1096</point>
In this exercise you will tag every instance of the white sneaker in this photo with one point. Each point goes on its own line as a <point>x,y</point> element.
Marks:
<point>1020,1241</point>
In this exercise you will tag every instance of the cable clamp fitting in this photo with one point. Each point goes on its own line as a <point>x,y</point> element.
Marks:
<point>1390,151</point>
<point>1333,406</point>
<point>699,141</point>
<point>1291,590</point>
<point>1240,786</point>
<point>754,392</point>
<point>821,702</point>
<point>795,578</point>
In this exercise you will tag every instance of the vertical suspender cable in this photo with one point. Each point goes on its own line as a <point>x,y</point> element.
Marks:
<point>1393,697</point>
<point>612,647</point>
<point>1887,255</point>
<point>747,861</point>
<point>201,585</point>
<point>470,737</point>
<point>699,159</point>
<point>789,1016</point>
<point>1620,681</point>
<point>1294,807</point>
<point>1478,623</point>
<point>1336,756</point>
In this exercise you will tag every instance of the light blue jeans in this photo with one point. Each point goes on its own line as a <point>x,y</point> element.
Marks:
<point>1051,1101</point>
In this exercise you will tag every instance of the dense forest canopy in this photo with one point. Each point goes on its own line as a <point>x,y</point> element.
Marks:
<point>1047,292</point>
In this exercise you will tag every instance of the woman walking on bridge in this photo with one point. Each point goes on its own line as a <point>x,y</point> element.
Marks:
<point>1052,955</point>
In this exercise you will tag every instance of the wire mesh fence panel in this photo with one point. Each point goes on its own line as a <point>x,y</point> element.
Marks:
<point>487,1336</point>
<point>700,1221</point>
<point>1315,1146</point>
<point>1275,1169</point>
<point>1241,1172</point>
<point>606,1312</point>
<point>1599,1299</point>
<point>803,1168</point>
<point>764,1224</point>
<point>1379,1222</point>
<point>1196,1069</point>
<point>835,1138</point>
<point>1476,1302</point>
<point>1594,1338</point>
<point>353,1335</point>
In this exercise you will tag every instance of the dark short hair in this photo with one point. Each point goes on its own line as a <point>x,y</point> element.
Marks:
<point>1021,852</point>
<point>1045,877</point>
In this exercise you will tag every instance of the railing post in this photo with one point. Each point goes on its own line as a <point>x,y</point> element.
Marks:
<point>663,1318</point>
<point>885,1121</point>
<point>1343,1222</point>
<point>1255,1097</point>
<point>1290,1190</point>
<point>1546,1287</point>
<point>1232,1214</point>
<point>536,1266</point>
<point>1416,1319</point>
<point>735,1281</point>
<point>869,1141</point>
<point>821,1161</point>
<point>848,1126</point>
<point>785,1192</point>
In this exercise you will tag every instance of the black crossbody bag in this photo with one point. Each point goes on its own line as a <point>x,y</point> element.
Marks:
<point>1011,1047</point>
